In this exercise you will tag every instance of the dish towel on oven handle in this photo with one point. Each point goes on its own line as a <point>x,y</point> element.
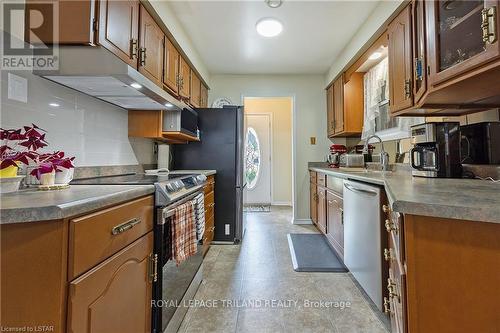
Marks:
<point>199,212</point>
<point>184,243</point>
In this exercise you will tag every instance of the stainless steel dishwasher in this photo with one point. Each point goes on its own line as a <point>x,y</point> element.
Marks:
<point>363,236</point>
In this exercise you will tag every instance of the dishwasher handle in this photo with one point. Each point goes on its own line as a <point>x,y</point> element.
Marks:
<point>360,190</point>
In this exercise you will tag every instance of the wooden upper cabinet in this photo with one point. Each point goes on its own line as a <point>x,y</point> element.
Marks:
<point>119,28</point>
<point>204,96</point>
<point>151,39</point>
<point>75,22</point>
<point>461,37</point>
<point>120,285</point>
<point>330,111</point>
<point>184,78</point>
<point>338,105</point>
<point>171,67</point>
<point>400,61</point>
<point>419,50</point>
<point>195,98</point>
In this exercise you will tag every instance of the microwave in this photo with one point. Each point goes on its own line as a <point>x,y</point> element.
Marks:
<point>184,121</point>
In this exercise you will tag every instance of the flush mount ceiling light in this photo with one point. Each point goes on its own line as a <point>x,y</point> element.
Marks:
<point>169,105</point>
<point>136,85</point>
<point>269,27</point>
<point>375,55</point>
<point>55,105</point>
<point>274,3</point>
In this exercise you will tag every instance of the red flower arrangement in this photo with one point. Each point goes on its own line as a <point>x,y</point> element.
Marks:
<point>52,162</point>
<point>20,145</point>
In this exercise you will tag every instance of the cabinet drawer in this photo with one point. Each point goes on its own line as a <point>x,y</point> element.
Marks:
<point>396,285</point>
<point>335,184</point>
<point>209,206</point>
<point>94,237</point>
<point>210,186</point>
<point>321,179</point>
<point>394,226</point>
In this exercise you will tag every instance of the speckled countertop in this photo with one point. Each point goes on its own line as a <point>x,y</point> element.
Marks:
<point>33,205</point>
<point>205,172</point>
<point>465,199</point>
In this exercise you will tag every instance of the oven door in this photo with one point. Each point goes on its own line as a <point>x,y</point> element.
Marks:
<point>173,281</point>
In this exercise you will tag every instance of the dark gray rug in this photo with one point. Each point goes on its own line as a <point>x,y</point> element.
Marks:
<point>311,253</point>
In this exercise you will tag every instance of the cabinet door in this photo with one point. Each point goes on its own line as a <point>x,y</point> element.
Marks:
<point>313,202</point>
<point>335,222</point>
<point>150,48</point>
<point>171,67</point>
<point>400,61</point>
<point>185,78</point>
<point>338,105</point>
<point>462,36</point>
<point>321,210</point>
<point>329,111</point>
<point>119,28</point>
<point>115,296</point>
<point>204,96</point>
<point>195,98</point>
<point>419,50</point>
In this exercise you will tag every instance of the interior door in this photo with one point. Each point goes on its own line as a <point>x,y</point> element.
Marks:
<point>151,48</point>
<point>119,28</point>
<point>258,159</point>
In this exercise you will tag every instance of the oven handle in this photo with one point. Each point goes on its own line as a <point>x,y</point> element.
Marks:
<point>170,210</point>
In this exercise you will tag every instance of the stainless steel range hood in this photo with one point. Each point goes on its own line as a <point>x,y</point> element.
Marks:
<point>95,71</point>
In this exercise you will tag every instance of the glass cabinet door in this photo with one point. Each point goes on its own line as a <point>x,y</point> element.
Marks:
<point>464,33</point>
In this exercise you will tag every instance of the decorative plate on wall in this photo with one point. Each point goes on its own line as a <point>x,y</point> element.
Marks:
<point>221,101</point>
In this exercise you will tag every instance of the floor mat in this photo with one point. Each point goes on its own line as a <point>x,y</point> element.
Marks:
<point>312,253</point>
<point>257,208</point>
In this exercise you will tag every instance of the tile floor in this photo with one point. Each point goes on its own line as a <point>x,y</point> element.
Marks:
<point>260,269</point>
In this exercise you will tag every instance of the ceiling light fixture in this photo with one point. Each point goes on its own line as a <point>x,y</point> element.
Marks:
<point>55,105</point>
<point>274,3</point>
<point>375,56</point>
<point>169,105</point>
<point>269,27</point>
<point>136,85</point>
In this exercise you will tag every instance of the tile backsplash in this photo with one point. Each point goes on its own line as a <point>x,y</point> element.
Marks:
<point>95,132</point>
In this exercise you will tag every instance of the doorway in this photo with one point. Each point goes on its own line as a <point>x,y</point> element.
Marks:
<point>268,152</point>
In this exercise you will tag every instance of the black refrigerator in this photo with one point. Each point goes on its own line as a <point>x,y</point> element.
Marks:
<point>221,148</point>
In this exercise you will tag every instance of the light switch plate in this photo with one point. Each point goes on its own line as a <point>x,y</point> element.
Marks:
<point>313,140</point>
<point>17,88</point>
<point>227,230</point>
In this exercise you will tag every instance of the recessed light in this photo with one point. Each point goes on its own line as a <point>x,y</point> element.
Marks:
<point>269,27</point>
<point>274,3</point>
<point>169,105</point>
<point>375,56</point>
<point>55,105</point>
<point>136,85</point>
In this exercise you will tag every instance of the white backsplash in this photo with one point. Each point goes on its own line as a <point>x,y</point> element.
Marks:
<point>95,132</point>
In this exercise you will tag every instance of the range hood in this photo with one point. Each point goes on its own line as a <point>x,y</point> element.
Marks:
<point>95,71</point>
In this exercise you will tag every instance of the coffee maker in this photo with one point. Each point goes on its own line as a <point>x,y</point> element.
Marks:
<point>436,151</point>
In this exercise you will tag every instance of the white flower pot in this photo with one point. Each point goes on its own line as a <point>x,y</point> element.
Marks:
<point>48,179</point>
<point>31,180</point>
<point>64,176</point>
<point>10,184</point>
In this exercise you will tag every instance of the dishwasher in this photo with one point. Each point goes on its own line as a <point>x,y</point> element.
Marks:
<point>364,236</point>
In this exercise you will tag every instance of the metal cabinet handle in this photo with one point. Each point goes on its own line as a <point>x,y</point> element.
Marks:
<point>407,88</point>
<point>125,226</point>
<point>387,306</point>
<point>359,190</point>
<point>133,48</point>
<point>489,24</point>
<point>142,56</point>
<point>388,254</point>
<point>153,268</point>
<point>386,209</point>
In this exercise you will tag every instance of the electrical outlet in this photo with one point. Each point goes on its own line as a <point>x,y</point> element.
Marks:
<point>227,229</point>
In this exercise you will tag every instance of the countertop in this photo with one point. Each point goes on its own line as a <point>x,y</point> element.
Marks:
<point>463,199</point>
<point>31,205</point>
<point>205,172</point>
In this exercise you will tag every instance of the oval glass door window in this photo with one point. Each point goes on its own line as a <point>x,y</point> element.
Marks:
<point>252,158</point>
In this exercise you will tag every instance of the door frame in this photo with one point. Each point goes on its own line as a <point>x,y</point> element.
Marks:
<point>292,96</point>
<point>271,171</point>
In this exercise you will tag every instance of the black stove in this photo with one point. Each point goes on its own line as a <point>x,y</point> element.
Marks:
<point>169,186</point>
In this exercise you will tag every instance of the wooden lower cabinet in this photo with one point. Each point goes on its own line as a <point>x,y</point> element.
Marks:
<point>115,296</point>
<point>321,207</point>
<point>208,236</point>
<point>313,198</point>
<point>335,222</point>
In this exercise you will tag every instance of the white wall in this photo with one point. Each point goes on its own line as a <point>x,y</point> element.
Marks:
<point>376,19</point>
<point>168,17</point>
<point>309,119</point>
<point>95,132</point>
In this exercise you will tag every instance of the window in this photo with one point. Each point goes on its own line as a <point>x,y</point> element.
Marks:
<point>252,158</point>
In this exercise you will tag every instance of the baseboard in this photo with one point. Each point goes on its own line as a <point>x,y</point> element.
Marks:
<point>302,221</point>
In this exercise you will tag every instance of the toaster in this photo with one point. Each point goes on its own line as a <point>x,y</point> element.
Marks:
<point>352,160</point>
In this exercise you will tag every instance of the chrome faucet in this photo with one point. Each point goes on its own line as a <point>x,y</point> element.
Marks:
<point>384,156</point>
